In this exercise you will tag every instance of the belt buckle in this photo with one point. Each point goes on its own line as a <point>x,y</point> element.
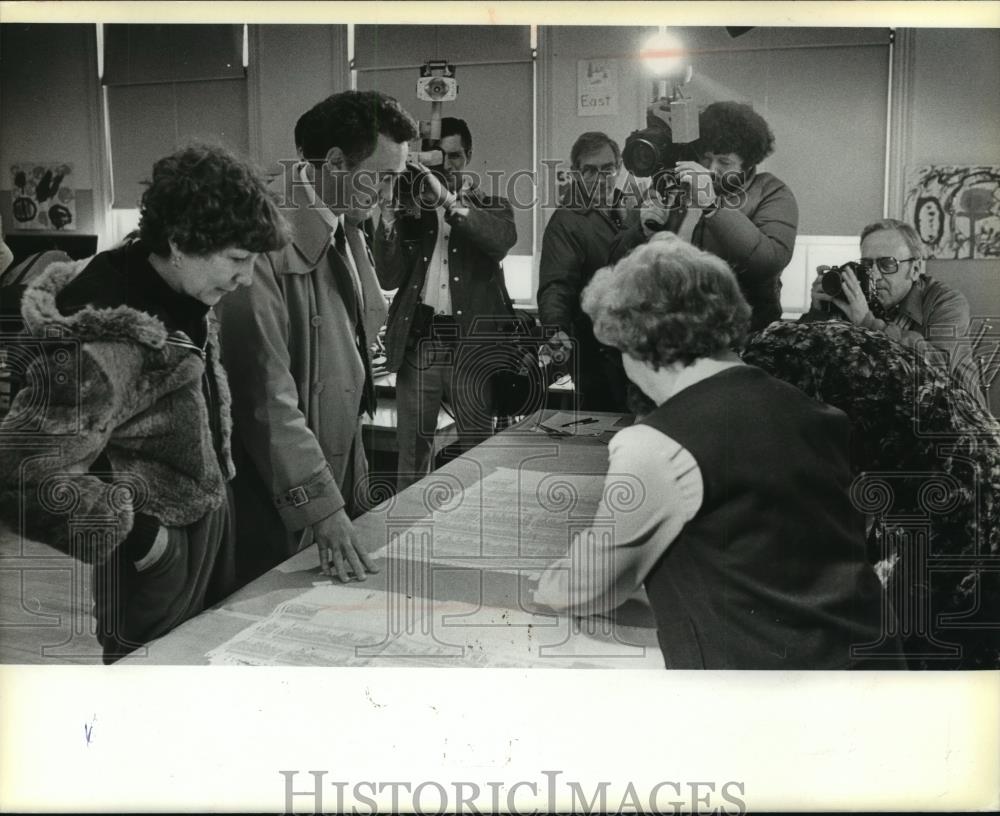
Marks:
<point>298,496</point>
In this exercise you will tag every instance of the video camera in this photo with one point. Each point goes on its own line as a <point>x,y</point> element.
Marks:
<point>437,84</point>
<point>670,132</point>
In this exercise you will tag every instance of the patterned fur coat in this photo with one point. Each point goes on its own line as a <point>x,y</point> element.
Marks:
<point>112,421</point>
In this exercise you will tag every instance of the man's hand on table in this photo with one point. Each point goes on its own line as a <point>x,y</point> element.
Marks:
<point>340,551</point>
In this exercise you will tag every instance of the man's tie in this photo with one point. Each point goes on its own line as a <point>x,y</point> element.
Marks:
<point>368,397</point>
<point>340,241</point>
<point>617,210</point>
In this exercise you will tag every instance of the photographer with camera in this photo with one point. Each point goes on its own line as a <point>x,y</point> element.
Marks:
<point>887,291</point>
<point>443,255</point>
<point>747,218</point>
<point>575,245</point>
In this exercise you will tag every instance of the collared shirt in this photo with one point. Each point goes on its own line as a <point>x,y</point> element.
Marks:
<point>335,222</point>
<point>931,313</point>
<point>928,303</point>
<point>673,490</point>
<point>436,292</point>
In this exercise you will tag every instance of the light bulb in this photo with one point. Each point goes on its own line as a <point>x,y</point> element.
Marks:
<point>663,55</point>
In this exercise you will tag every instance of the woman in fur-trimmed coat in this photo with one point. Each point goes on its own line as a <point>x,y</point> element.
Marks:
<point>117,448</point>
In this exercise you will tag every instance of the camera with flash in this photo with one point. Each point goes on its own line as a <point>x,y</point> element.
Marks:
<point>437,82</point>
<point>670,132</point>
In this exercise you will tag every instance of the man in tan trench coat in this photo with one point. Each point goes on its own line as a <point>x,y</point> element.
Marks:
<point>295,344</point>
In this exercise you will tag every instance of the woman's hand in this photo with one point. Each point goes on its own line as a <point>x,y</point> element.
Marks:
<point>653,214</point>
<point>699,182</point>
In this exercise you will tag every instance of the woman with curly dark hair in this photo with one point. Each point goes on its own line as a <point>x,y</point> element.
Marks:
<point>746,217</point>
<point>129,388</point>
<point>744,535</point>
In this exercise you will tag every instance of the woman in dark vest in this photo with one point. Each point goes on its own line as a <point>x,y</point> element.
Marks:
<point>745,537</point>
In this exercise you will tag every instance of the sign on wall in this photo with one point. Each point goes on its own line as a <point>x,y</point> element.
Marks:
<point>955,209</point>
<point>597,87</point>
<point>42,196</point>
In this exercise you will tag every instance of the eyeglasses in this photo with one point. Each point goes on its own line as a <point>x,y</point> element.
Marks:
<point>590,172</point>
<point>887,265</point>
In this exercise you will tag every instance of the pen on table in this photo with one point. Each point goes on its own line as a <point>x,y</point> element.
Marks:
<point>587,421</point>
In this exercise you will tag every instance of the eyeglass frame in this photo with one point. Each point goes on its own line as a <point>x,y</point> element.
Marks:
<point>590,173</point>
<point>868,263</point>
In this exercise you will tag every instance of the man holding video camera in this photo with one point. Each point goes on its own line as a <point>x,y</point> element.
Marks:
<point>747,218</point>
<point>442,250</point>
<point>888,292</point>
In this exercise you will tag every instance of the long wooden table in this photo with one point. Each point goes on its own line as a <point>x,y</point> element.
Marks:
<point>456,551</point>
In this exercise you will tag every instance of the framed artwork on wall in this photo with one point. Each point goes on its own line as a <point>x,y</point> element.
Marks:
<point>42,196</point>
<point>955,209</point>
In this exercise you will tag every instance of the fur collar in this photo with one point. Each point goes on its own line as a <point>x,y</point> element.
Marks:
<point>41,315</point>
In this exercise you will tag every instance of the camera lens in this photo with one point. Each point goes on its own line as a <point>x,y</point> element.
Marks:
<point>437,88</point>
<point>831,282</point>
<point>641,158</point>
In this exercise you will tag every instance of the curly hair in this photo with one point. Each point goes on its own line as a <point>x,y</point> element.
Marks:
<point>667,301</point>
<point>204,199</point>
<point>352,121</point>
<point>732,127</point>
<point>916,427</point>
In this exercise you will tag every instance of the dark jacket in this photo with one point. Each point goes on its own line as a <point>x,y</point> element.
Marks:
<point>771,572</point>
<point>753,231</point>
<point>577,242</point>
<point>116,424</point>
<point>478,244</point>
<point>932,318</point>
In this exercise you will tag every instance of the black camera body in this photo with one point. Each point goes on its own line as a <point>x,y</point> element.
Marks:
<point>437,84</point>
<point>833,284</point>
<point>669,136</point>
<point>409,184</point>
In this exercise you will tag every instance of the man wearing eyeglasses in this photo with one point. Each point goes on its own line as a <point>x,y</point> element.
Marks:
<point>576,243</point>
<point>916,308</point>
